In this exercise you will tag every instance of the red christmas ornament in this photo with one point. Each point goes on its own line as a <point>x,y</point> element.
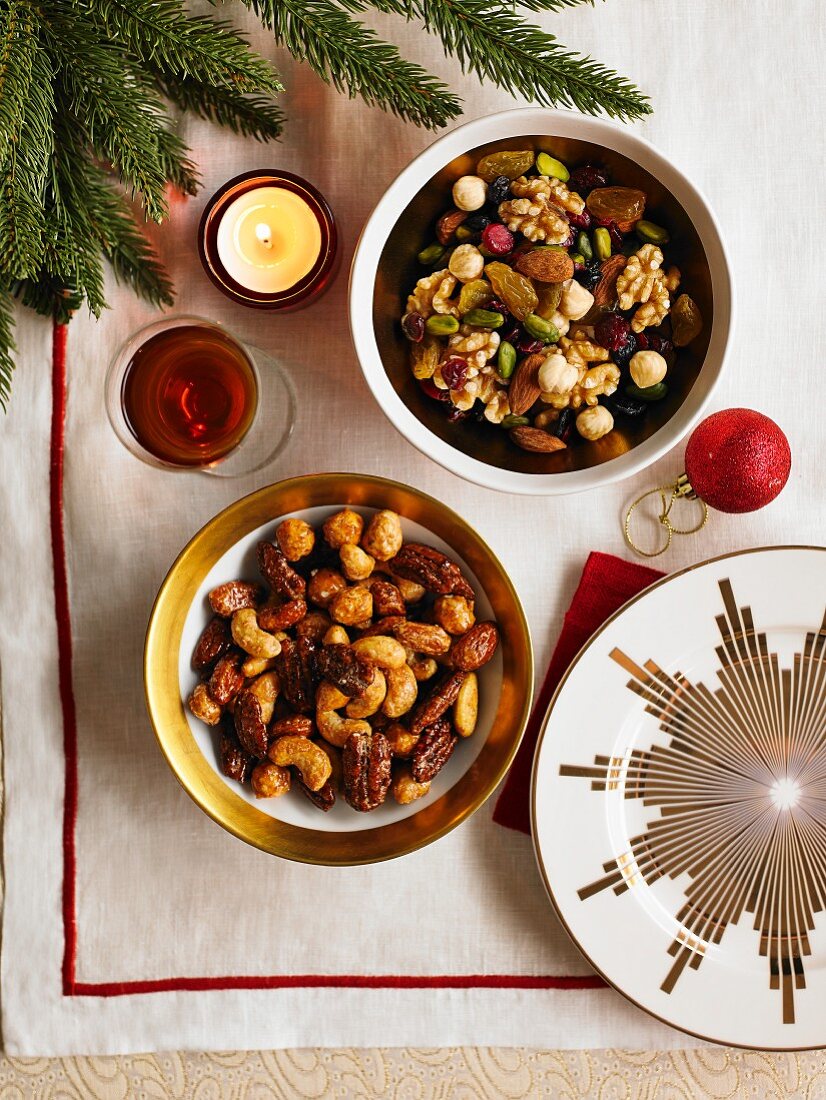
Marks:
<point>737,460</point>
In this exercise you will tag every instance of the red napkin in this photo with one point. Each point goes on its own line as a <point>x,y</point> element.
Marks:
<point>605,585</point>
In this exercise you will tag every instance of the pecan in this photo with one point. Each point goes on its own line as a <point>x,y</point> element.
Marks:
<point>423,638</point>
<point>442,696</point>
<point>235,762</point>
<point>297,672</point>
<point>323,799</point>
<point>314,626</point>
<point>278,572</point>
<point>249,725</point>
<point>387,599</point>
<point>474,649</point>
<point>383,626</point>
<point>343,667</point>
<point>274,617</point>
<point>293,725</point>
<point>227,679</point>
<point>228,598</point>
<point>367,773</point>
<point>215,641</point>
<point>433,750</point>
<point>431,569</point>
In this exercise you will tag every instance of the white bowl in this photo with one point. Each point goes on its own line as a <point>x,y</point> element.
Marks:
<point>365,289</point>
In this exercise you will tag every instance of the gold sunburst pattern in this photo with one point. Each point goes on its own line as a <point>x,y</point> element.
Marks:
<point>741,791</point>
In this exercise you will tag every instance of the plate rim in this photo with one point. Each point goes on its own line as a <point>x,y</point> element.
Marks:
<point>172,732</point>
<point>540,739</point>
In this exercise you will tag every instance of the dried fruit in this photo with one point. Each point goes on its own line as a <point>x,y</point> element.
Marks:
<point>498,239</point>
<point>590,275</point>
<point>227,679</point>
<point>476,293</point>
<point>431,569</point>
<point>235,761</point>
<point>297,673</point>
<point>549,265</point>
<point>686,321</point>
<point>612,331</point>
<point>413,327</point>
<point>250,728</point>
<point>564,425</point>
<point>617,204</point>
<point>580,221</point>
<point>442,696</point>
<point>433,750</point>
<point>228,598</point>
<point>510,163</point>
<point>529,346</point>
<point>342,667</point>
<point>215,641</point>
<point>447,225</point>
<point>282,616</point>
<point>587,177</point>
<point>514,289</point>
<point>499,190</point>
<point>626,406</point>
<point>424,358</point>
<point>550,295</point>
<point>524,389</point>
<point>278,572</point>
<point>534,439</point>
<point>454,372</point>
<point>367,773</point>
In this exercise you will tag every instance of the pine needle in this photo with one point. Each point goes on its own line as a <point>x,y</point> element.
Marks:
<point>7,347</point>
<point>249,115</point>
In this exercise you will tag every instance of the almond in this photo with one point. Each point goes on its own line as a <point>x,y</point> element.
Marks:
<point>524,388</point>
<point>548,265</point>
<point>605,292</point>
<point>533,439</point>
<point>447,225</point>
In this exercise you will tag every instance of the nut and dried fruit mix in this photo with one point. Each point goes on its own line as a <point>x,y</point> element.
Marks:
<point>352,671</point>
<point>548,306</point>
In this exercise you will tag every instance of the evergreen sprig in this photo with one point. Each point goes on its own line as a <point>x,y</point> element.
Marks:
<point>87,148</point>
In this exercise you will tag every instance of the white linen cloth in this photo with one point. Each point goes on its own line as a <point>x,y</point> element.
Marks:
<point>163,892</point>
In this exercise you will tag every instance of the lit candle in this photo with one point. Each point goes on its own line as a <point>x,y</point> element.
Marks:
<point>268,239</point>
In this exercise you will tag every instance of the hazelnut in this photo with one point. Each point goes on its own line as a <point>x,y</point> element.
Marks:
<point>466,263</point>
<point>557,375</point>
<point>383,536</point>
<point>647,368</point>
<point>575,301</point>
<point>594,422</point>
<point>343,528</point>
<point>296,538</point>
<point>470,193</point>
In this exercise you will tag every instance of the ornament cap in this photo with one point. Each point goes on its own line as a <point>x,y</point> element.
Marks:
<point>680,490</point>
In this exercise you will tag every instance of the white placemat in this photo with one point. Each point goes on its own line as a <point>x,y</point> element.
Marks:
<point>160,893</point>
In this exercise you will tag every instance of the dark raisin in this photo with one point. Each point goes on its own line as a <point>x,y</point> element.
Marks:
<point>528,346</point>
<point>564,425</point>
<point>588,177</point>
<point>499,190</point>
<point>625,406</point>
<point>580,221</point>
<point>477,222</point>
<point>590,275</point>
<point>612,331</point>
<point>622,357</point>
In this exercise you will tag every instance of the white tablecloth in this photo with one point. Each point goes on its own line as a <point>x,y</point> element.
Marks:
<point>158,886</point>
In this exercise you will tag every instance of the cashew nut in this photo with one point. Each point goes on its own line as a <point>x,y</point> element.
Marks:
<point>406,789</point>
<point>422,667</point>
<point>402,742</point>
<point>423,638</point>
<point>371,700</point>
<point>402,689</point>
<point>343,528</point>
<point>352,606</point>
<point>466,707</point>
<point>332,726</point>
<point>265,688</point>
<point>250,637</point>
<point>383,536</point>
<point>203,706</point>
<point>381,650</point>
<point>254,666</point>
<point>336,635</point>
<point>356,564</point>
<point>311,761</point>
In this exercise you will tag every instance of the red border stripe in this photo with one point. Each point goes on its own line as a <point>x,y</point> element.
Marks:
<point>74,988</point>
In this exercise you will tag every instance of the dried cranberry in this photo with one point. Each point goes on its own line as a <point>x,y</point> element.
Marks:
<point>430,388</point>
<point>454,372</point>
<point>580,221</point>
<point>499,190</point>
<point>659,343</point>
<point>528,346</point>
<point>413,327</point>
<point>513,334</point>
<point>590,275</point>
<point>496,305</point>
<point>588,177</point>
<point>642,342</point>
<point>622,357</point>
<point>613,232</point>
<point>563,426</point>
<point>497,239</point>
<point>456,415</point>
<point>612,331</point>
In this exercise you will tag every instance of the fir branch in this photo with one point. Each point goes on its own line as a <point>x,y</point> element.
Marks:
<point>116,112</point>
<point>249,115</point>
<point>162,34</point>
<point>487,37</point>
<point>348,55</point>
<point>22,220</point>
<point>7,347</point>
<point>552,5</point>
<point>18,46</point>
<point>133,259</point>
<point>175,163</point>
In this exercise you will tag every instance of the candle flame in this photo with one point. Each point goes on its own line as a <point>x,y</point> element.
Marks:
<point>264,234</point>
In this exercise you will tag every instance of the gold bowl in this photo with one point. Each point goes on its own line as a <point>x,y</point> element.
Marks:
<point>180,609</point>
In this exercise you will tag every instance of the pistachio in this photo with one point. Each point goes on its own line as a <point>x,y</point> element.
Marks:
<point>541,329</point>
<point>547,165</point>
<point>655,234</point>
<point>464,234</point>
<point>602,243</point>
<point>483,318</point>
<point>512,421</point>
<point>431,255</point>
<point>583,246</point>
<point>506,359</point>
<point>578,258</point>
<point>649,393</point>
<point>442,324</point>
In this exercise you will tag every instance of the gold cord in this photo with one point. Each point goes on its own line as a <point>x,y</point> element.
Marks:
<point>682,490</point>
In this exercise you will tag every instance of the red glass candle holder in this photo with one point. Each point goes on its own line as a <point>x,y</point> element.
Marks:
<point>311,285</point>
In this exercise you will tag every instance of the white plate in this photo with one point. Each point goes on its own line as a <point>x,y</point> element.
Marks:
<point>679,799</point>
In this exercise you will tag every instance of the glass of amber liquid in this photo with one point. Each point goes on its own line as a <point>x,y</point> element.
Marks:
<point>184,394</point>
